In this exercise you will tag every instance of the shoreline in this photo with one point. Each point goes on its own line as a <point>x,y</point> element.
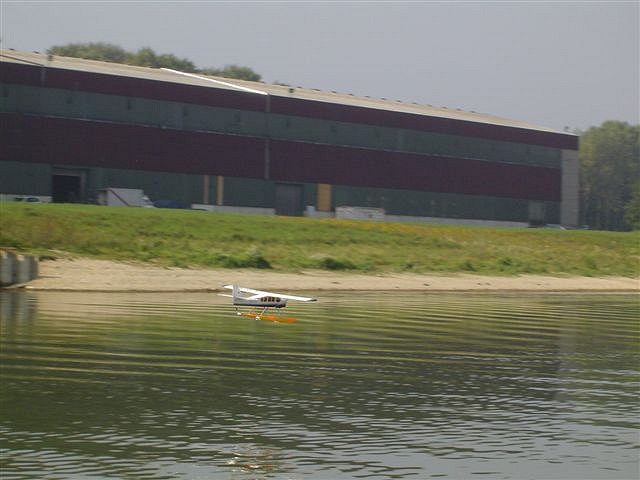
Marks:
<point>89,275</point>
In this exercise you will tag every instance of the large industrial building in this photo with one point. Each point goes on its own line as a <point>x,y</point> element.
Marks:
<point>71,127</point>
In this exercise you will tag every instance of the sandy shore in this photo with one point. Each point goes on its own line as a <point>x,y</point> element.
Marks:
<point>102,275</point>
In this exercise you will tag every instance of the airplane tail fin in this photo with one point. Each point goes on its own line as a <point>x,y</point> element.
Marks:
<point>235,290</point>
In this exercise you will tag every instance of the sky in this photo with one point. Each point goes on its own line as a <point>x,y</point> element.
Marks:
<point>559,64</point>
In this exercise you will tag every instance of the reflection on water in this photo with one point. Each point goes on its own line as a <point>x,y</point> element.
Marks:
<point>174,386</point>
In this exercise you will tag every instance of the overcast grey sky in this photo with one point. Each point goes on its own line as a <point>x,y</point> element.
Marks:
<point>554,64</point>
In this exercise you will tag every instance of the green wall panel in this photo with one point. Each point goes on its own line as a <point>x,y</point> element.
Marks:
<point>158,186</point>
<point>249,192</point>
<point>25,178</point>
<point>427,204</point>
<point>35,179</point>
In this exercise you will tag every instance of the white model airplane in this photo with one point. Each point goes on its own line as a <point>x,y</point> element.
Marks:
<point>264,300</point>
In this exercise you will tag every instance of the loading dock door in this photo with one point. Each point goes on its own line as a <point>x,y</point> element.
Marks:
<point>66,188</point>
<point>289,199</point>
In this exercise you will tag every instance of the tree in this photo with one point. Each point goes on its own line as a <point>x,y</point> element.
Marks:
<point>105,52</point>
<point>146,57</point>
<point>233,71</point>
<point>632,210</point>
<point>610,169</point>
<point>171,61</point>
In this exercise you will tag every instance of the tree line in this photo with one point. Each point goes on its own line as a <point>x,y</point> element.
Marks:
<point>609,153</point>
<point>610,176</point>
<point>146,57</point>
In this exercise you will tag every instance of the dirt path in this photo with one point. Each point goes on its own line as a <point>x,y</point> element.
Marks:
<point>102,275</point>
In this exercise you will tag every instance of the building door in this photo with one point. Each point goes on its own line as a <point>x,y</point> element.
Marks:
<point>67,186</point>
<point>289,199</point>
<point>536,213</point>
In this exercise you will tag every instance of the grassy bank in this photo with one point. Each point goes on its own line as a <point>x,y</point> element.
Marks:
<point>195,238</point>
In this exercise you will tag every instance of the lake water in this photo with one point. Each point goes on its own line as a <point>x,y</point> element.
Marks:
<point>411,385</point>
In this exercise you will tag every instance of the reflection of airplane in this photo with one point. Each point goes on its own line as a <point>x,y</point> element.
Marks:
<point>258,298</point>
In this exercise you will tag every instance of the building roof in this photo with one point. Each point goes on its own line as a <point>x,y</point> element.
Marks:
<point>171,76</point>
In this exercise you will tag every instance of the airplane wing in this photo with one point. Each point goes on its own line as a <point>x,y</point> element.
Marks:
<point>257,294</point>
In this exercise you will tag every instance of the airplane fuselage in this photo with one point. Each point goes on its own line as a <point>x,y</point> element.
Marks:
<point>269,302</point>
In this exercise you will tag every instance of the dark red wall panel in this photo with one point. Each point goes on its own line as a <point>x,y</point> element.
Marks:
<point>300,162</point>
<point>99,144</point>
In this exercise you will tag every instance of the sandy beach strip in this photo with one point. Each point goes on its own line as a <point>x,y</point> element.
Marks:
<point>108,276</point>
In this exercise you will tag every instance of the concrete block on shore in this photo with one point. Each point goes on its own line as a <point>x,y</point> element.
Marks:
<point>33,267</point>
<point>16,269</point>
<point>21,270</point>
<point>7,261</point>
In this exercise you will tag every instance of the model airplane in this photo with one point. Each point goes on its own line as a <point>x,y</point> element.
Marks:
<point>265,300</point>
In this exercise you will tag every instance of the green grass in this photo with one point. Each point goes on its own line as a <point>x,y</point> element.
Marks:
<point>194,238</point>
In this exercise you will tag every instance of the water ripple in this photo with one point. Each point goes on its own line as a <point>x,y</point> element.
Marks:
<point>370,386</point>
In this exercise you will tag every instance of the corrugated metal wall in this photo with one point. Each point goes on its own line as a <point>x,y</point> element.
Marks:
<point>142,111</point>
<point>305,162</point>
<point>407,164</point>
<point>35,179</point>
<point>75,142</point>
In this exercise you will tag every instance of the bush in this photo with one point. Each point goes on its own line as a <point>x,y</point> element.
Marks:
<point>252,258</point>
<point>327,262</point>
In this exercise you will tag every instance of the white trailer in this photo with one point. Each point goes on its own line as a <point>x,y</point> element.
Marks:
<point>123,197</point>
<point>360,213</point>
